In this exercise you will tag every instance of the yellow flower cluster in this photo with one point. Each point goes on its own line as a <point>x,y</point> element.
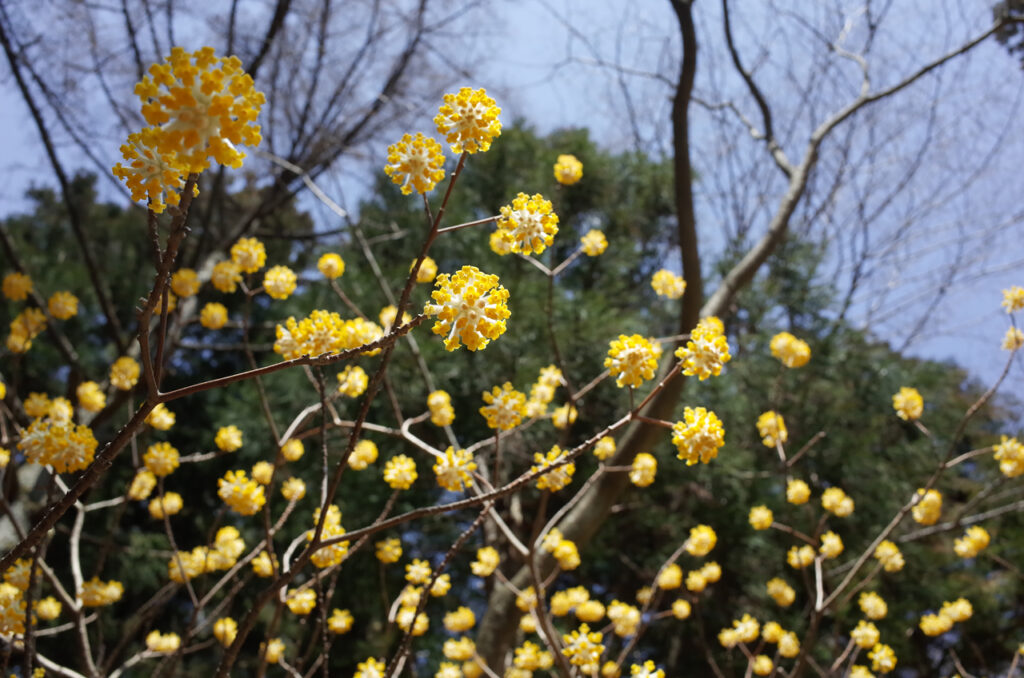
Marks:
<point>279,282</point>
<point>1013,299</point>
<point>529,224</point>
<point>772,428</point>
<point>400,472</point>
<point>224,630</point>
<point>633,360</point>
<point>974,541</point>
<point>389,550</point>
<point>760,517</point>
<point>643,469</point>
<point>504,407</point>
<point>162,643</point>
<point>415,163</point>
<point>555,479</point>
<point>440,405</point>
<point>831,545</point>
<point>889,555</point>
<point>327,556</point>
<point>300,602</point>
<point>25,327</point>
<point>96,593</point>
<point>222,555</point>
<point>542,392</point>
<point>781,592</point>
<point>568,170</point>
<point>63,305</point>
<point>872,605</point>
<point>364,454</point>
<point>583,648</point>
<point>124,373</point>
<point>837,502</point>
<point>324,332</point>
<point>593,243</point>
<point>161,418</point>
<point>908,404</point>
<point>883,659</point>
<point>12,610</point>
<point>1013,339</point>
<point>225,276</point>
<point>928,508</point>
<point>792,352</point>
<point>16,286</point>
<point>667,284</point>
<point>487,560</point>
<point>701,540</point>
<point>352,381</point>
<point>469,120</point>
<point>471,308</point>
<point>169,504</point>
<point>331,265</point>
<point>1010,455</point>
<point>427,270</point>
<point>453,469</point>
<point>65,446</point>
<point>799,557</point>
<point>744,630</point>
<point>161,459</point>
<point>604,448</point>
<point>242,495</point>
<point>340,621</point>
<point>706,351</point>
<point>699,436</point>
<point>214,316</point>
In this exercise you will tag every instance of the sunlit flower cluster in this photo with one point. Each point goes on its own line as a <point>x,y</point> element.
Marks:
<point>400,472</point>
<point>504,407</point>
<point>487,560</point>
<point>928,508</point>
<point>62,305</point>
<point>706,350</point>
<point>241,494</point>
<point>1010,455</point>
<point>324,332</point>
<point>568,170</point>
<point>908,404</point>
<point>352,381</point>
<point>837,502</point>
<point>632,359</point>
<point>327,556</point>
<point>593,243</point>
<point>16,286</point>
<point>96,593</point>
<point>161,418</point>
<point>331,265</point>
<point>890,556</point>
<point>792,352</point>
<point>469,120</point>
<point>529,223</point>
<point>643,469</point>
<point>279,282</point>
<point>701,540</point>
<point>453,469</point>
<point>169,504</point>
<point>699,436</point>
<point>667,284</point>
<point>415,163</point>
<point>440,405</point>
<point>25,327</point>
<point>872,605</point>
<point>772,428</point>
<point>65,446</point>
<point>1013,299</point>
<point>974,541</point>
<point>471,308</point>
<point>555,479</point>
<point>124,373</point>
<point>782,593</point>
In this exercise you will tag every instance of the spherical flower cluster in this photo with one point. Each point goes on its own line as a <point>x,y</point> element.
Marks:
<point>761,517</point>
<point>1013,339</point>
<point>415,163</point>
<point>567,555</point>
<point>866,635</point>
<point>701,540</point>
<point>279,282</point>
<point>65,446</point>
<point>389,550</point>
<point>225,276</point>
<point>36,405</point>
<point>387,317</point>
<point>440,405</point>
<point>667,284</point>
<point>427,270</point>
<point>908,404</point>
<point>264,564</point>
<point>142,485</point>
<point>96,593</point>
<point>883,659</point>
<point>18,575</point>
<point>564,416</point>
<point>1013,299</point>
<point>706,351</point>
<point>301,602</point>
<point>12,610</point>
<point>25,327</point>
<point>772,428</point>
<point>214,316</point>
<point>400,472</point>
<point>699,436</point>
<point>604,448</point>
<point>799,557</point>
<point>974,541</point>
<point>469,120</point>
<point>792,352</point>
<point>486,562</point>
<point>352,381</point>
<point>248,254</point>
<point>928,508</point>
<point>169,504</point>
<point>959,610</point>
<point>643,469</point>
<point>17,286</point>
<point>453,469</point>
<point>632,359</point>
<point>326,556</point>
<point>363,454</point>
<point>273,651</point>
<point>556,479</point>
<point>583,648</point>
<point>889,555</point>
<point>744,630</point>
<point>340,621</point>
<point>48,608</point>
<point>161,418</point>
<point>162,643</point>
<point>542,392</point>
<point>461,649</point>
<point>529,223</point>
<point>837,502</point>
<point>568,170</point>
<point>781,592</point>
<point>185,282</point>
<point>1010,455</point>
<point>228,438</point>
<point>124,373</point>
<point>505,407</point>
<point>292,450</point>
<point>646,670</point>
<point>331,265</point>
<point>293,489</point>
<point>263,472</point>
<point>872,605</point>
<point>471,308</point>
<point>670,577</point>
<point>324,332</point>
<point>242,495</point>
<point>831,545</point>
<point>593,243</point>
<point>63,305</point>
<point>90,397</point>
<point>625,618</point>
<point>224,630</point>
<point>935,624</point>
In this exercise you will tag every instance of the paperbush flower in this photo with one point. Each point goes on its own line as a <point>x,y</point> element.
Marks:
<point>593,243</point>
<point>866,635</point>
<point>772,428</point>
<point>831,545</point>
<point>364,454</point>
<point>65,446</point>
<point>214,316</point>
<point>460,649</point>
<point>387,317</point>
<point>883,659</point>
<point>1010,455</point>
<point>124,373</point>
<point>632,359</point>
<point>324,332</point>
<point>699,436</point>
<point>568,170</point>
<point>25,327</point>
<point>761,517</point>
<point>781,592</point>
<point>556,479</point>
<point>224,630</point>
<point>293,449</point>
<point>583,647</point>
<point>1013,339</point>
<point>185,282</point>
<point>37,405</point>
<point>667,284</point>
<point>16,286</point>
<point>400,472</point>
<point>389,550</point>
<point>142,485</point>
<point>273,652</point>
<point>1013,299</point>
<point>701,540</point>
<point>908,404</point>
<point>242,495</point>
<point>646,670</point>
<point>279,282</point>
<point>564,416</point>
<point>889,555</point>
<point>625,618</point>
<point>161,418</point>
<point>469,120</point>
<point>301,602</point>
<point>163,643</point>
<point>340,621</point>
<point>835,501</point>
<point>262,472</point>
<point>63,305</point>
<point>90,397</point>
<point>12,610</point>
<point>440,405</point>
<point>504,407</point>
<point>529,223</point>
<point>872,605</point>
<point>799,557</point>
<point>228,438</point>
<point>151,174</point>
<point>928,509</point>
<point>974,541</point>
<point>225,276</point>
<point>293,489</point>
<point>453,469</point>
<point>96,593</point>
<point>202,107</point>
<point>604,448</point>
<point>471,308</point>
<point>681,608</point>
<point>959,610</point>
<point>415,163</point>
<point>248,254</point>
<point>935,624</point>
<point>792,352</point>
<point>643,469</point>
<point>48,608</point>
<point>331,265</point>
<point>706,351</point>
<point>326,556</point>
<point>169,504</point>
<point>352,381</point>
<point>486,562</point>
